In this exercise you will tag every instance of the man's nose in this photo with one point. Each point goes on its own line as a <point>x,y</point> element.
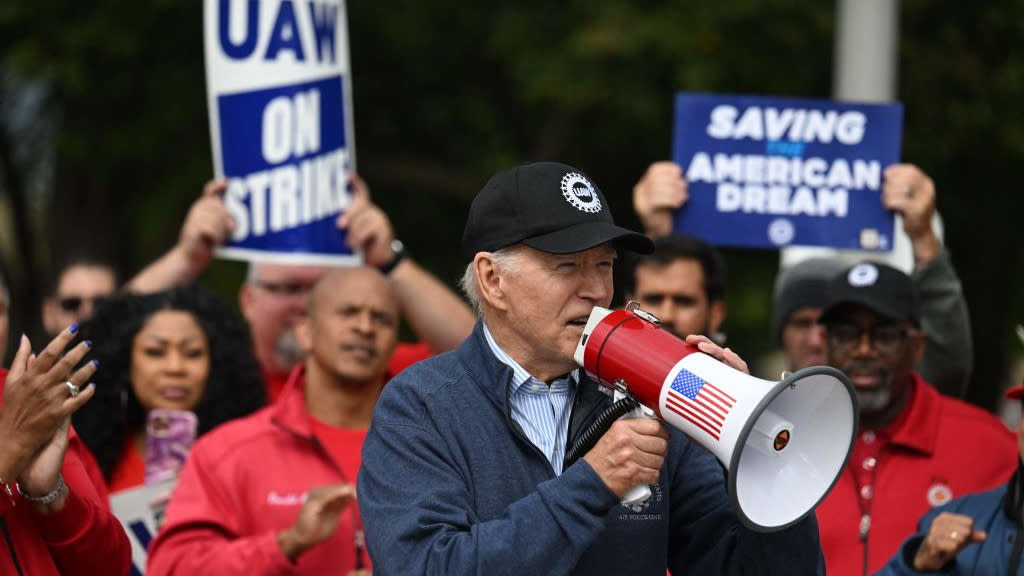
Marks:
<point>816,336</point>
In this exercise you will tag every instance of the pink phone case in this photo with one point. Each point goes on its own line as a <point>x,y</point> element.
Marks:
<point>169,437</point>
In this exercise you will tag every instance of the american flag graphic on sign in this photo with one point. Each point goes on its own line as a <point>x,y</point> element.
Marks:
<point>699,402</point>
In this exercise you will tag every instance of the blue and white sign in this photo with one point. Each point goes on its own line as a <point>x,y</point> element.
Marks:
<point>141,510</point>
<point>770,172</point>
<point>280,104</point>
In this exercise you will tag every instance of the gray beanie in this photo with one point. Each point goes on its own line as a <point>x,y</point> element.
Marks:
<point>799,286</point>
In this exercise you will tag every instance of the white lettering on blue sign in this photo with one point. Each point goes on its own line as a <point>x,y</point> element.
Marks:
<point>286,35</point>
<point>291,126</point>
<point>287,196</point>
<point>793,124</point>
<point>794,171</point>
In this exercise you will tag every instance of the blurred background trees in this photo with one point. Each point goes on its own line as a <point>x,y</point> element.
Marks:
<point>104,139</point>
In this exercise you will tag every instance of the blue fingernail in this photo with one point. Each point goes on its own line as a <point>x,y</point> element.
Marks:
<point>73,328</point>
<point>88,343</point>
<point>95,362</point>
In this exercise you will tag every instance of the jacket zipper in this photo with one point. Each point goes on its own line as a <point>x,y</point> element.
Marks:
<point>519,431</point>
<point>10,545</point>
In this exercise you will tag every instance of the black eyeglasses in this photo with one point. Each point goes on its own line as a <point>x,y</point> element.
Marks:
<point>285,288</point>
<point>73,304</point>
<point>886,338</point>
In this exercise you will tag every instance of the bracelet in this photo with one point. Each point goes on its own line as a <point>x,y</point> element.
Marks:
<point>7,490</point>
<point>45,498</point>
<point>399,249</point>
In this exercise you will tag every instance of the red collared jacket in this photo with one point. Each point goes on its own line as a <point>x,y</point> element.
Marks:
<point>242,484</point>
<point>83,539</point>
<point>940,449</point>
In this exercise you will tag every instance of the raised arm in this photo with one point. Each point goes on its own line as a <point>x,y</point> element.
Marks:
<point>435,312</point>
<point>206,226</point>
<point>949,355</point>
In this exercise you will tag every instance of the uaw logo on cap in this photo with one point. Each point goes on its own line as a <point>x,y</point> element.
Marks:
<point>862,275</point>
<point>580,193</point>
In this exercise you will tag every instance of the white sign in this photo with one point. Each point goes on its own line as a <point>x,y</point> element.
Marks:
<point>280,103</point>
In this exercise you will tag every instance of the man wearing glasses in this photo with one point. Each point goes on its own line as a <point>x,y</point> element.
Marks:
<point>916,448</point>
<point>77,288</point>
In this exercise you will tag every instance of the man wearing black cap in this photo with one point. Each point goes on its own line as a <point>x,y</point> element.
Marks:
<point>916,449</point>
<point>463,465</point>
<point>800,292</point>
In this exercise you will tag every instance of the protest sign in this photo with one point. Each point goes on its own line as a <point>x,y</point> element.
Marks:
<point>280,105</point>
<point>140,511</point>
<point>768,172</point>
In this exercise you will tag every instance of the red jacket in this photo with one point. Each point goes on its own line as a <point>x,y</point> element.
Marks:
<point>939,449</point>
<point>83,539</point>
<point>242,484</point>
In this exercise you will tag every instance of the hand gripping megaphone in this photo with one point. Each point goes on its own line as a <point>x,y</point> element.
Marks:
<point>784,443</point>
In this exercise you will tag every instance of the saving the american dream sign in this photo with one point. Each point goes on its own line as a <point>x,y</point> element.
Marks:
<point>767,172</point>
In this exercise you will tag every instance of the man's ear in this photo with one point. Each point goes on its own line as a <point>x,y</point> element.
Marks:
<point>716,315</point>
<point>245,300</point>
<point>303,330</point>
<point>489,281</point>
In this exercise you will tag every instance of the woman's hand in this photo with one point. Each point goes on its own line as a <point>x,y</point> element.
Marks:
<point>38,403</point>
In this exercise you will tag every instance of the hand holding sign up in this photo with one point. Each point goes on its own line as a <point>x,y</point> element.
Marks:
<point>207,225</point>
<point>909,191</point>
<point>660,191</point>
<point>368,227</point>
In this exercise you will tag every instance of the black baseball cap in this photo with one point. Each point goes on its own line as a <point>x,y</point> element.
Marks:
<point>549,206</point>
<point>883,289</point>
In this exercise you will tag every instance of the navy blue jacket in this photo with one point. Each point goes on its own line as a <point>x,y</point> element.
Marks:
<point>992,511</point>
<point>450,485</point>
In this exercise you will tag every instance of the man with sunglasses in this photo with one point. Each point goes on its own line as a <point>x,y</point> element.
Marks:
<point>916,448</point>
<point>78,286</point>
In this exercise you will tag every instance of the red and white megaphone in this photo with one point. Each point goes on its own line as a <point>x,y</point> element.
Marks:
<point>784,443</point>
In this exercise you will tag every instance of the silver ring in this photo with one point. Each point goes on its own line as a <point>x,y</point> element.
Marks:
<point>73,389</point>
<point>954,534</point>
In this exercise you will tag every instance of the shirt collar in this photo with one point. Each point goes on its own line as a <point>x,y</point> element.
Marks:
<point>519,374</point>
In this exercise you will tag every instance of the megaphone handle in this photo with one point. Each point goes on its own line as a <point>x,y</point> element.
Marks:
<point>640,493</point>
<point>637,495</point>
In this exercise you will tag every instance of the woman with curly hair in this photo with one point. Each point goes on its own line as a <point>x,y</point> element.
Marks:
<point>180,350</point>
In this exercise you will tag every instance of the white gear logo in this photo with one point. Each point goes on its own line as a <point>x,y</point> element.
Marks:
<point>580,193</point>
<point>862,275</point>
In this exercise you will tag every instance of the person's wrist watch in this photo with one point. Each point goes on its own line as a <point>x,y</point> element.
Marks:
<point>45,498</point>
<point>399,249</point>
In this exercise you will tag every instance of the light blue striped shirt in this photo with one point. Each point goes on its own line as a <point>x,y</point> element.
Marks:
<point>542,411</point>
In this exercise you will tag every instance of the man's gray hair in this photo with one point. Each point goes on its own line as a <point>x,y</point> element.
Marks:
<point>504,259</point>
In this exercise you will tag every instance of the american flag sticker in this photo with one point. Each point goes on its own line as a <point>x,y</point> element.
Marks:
<point>699,402</point>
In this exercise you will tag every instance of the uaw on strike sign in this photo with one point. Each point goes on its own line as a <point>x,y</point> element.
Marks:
<point>770,172</point>
<point>279,95</point>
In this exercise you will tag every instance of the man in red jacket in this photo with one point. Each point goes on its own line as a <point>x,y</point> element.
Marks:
<point>274,492</point>
<point>916,449</point>
<point>53,519</point>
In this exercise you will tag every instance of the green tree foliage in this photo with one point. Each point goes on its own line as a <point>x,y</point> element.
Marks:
<point>447,92</point>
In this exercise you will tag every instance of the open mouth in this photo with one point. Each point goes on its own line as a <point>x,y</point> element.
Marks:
<point>174,393</point>
<point>580,322</point>
<point>360,351</point>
